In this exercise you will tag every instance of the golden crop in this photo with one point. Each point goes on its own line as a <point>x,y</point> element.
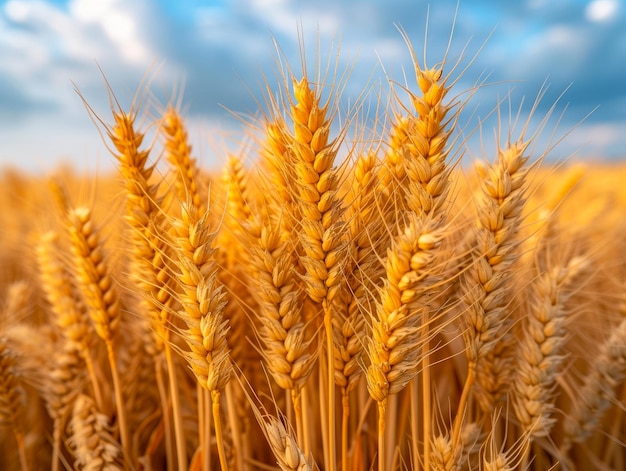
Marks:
<point>328,303</point>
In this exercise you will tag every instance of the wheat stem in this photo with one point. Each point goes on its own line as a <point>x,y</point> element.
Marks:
<point>57,435</point>
<point>296,399</point>
<point>204,427</point>
<point>382,411</point>
<point>93,377</point>
<point>462,407</point>
<point>415,424</point>
<point>306,421</point>
<point>237,437</point>
<point>345,402</point>
<point>330,352</point>
<point>219,436</point>
<point>179,430</point>
<point>426,397</point>
<point>19,437</point>
<point>165,414</point>
<point>119,400</point>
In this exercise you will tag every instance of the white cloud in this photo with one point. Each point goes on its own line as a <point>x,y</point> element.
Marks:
<point>601,10</point>
<point>536,4</point>
<point>88,30</point>
<point>557,51</point>
<point>17,11</point>
<point>117,22</point>
<point>598,137</point>
<point>561,37</point>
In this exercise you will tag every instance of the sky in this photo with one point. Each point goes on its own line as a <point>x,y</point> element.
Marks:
<point>213,57</point>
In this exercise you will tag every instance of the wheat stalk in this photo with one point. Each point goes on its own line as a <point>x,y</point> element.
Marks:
<point>145,215</point>
<point>321,227</point>
<point>202,299</point>
<point>396,332</point>
<point>100,295</point>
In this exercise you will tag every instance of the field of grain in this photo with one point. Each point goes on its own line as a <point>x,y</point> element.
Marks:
<point>332,300</point>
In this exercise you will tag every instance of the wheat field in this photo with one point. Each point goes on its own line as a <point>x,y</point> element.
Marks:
<point>342,296</point>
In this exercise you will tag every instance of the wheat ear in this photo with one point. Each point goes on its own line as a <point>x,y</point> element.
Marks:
<point>179,154</point>
<point>350,321</point>
<point>94,446</point>
<point>100,294</point>
<point>540,350</point>
<point>18,300</point>
<point>394,347</point>
<point>483,286</point>
<point>145,215</point>
<point>233,256</point>
<point>321,235</point>
<point>443,456</point>
<point>202,298</point>
<point>287,351</point>
<point>70,312</point>
<point>278,162</point>
<point>494,457</point>
<point>427,174</point>
<point>288,455</point>
<point>598,391</point>
<point>234,260</point>
<point>11,393</point>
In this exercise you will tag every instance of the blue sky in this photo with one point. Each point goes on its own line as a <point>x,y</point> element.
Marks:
<point>221,49</point>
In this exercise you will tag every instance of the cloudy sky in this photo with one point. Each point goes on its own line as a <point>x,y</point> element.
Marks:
<point>220,50</point>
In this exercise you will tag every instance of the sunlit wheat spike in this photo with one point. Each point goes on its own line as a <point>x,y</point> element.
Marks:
<point>541,349</point>
<point>317,185</point>
<point>65,380</point>
<point>393,348</point>
<point>288,455</point>
<point>483,287</point>
<point>93,273</point>
<point>59,288</point>
<point>363,272</point>
<point>145,214</point>
<point>499,216</point>
<point>202,300</point>
<point>287,351</point>
<point>179,155</point>
<point>443,456</point>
